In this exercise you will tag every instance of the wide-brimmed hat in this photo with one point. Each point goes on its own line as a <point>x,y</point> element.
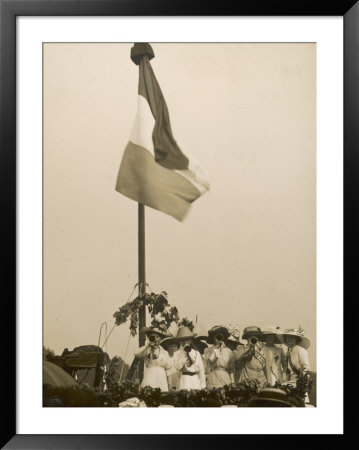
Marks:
<point>270,329</point>
<point>168,341</point>
<point>184,333</point>
<point>199,345</point>
<point>302,340</point>
<point>214,331</point>
<point>149,330</point>
<point>252,331</point>
<point>270,397</point>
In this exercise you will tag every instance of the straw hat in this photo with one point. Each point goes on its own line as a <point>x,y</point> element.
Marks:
<point>252,331</point>
<point>302,340</point>
<point>168,341</point>
<point>214,331</point>
<point>272,330</point>
<point>184,333</point>
<point>199,342</point>
<point>149,330</point>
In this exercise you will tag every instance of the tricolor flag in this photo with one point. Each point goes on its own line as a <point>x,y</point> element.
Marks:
<point>154,170</point>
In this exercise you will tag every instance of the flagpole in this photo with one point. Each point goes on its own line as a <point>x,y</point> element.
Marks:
<point>141,278</point>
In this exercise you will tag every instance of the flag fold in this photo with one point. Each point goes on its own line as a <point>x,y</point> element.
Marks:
<point>154,170</point>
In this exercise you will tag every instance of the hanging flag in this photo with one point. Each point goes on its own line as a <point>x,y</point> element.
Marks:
<point>154,170</point>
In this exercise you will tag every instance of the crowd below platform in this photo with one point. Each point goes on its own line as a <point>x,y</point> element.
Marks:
<point>187,361</point>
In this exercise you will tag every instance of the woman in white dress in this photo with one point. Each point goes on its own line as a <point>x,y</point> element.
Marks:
<point>188,362</point>
<point>171,346</point>
<point>157,363</point>
<point>297,355</point>
<point>276,364</point>
<point>219,358</point>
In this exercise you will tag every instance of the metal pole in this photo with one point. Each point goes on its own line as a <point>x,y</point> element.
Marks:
<point>141,277</point>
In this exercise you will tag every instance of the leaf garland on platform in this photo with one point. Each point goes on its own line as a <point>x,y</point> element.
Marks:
<point>302,386</point>
<point>162,313</point>
<point>238,394</point>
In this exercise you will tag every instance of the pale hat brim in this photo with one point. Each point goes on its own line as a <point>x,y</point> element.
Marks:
<point>186,334</point>
<point>181,338</point>
<point>303,342</point>
<point>276,335</point>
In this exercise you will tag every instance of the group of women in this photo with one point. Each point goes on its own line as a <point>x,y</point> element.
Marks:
<point>187,361</point>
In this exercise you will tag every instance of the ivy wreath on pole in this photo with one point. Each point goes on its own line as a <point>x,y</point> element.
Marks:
<point>162,313</point>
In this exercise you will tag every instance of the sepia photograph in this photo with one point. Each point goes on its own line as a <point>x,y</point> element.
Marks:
<point>179,224</point>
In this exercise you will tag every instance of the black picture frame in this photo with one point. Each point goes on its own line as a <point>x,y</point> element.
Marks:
<point>9,10</point>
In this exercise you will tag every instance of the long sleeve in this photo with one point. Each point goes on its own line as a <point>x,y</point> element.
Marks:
<point>179,359</point>
<point>201,374</point>
<point>303,359</point>
<point>210,357</point>
<point>142,352</point>
<point>167,363</point>
<point>242,354</point>
<point>211,354</point>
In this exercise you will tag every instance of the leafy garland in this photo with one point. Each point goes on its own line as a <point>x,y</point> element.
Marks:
<point>238,394</point>
<point>162,313</point>
<point>302,386</point>
<point>234,394</point>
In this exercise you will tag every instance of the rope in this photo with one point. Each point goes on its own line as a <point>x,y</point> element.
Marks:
<point>99,336</point>
<point>108,336</point>
<point>106,339</point>
<point>133,290</point>
<point>149,288</point>
<point>124,359</point>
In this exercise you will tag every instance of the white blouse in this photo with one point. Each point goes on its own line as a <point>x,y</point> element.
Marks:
<point>156,370</point>
<point>180,361</point>
<point>299,358</point>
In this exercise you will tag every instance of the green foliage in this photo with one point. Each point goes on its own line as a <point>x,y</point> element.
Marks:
<point>236,394</point>
<point>313,391</point>
<point>162,313</point>
<point>303,385</point>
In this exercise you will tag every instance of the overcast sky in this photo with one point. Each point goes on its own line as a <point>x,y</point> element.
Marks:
<point>245,255</point>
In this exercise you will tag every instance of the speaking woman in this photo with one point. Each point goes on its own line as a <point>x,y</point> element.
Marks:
<point>157,363</point>
<point>219,358</point>
<point>188,361</point>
